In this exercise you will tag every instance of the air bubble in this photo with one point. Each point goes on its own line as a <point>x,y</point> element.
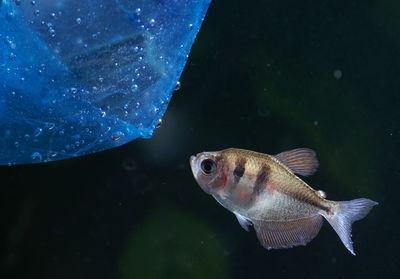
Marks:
<point>36,156</point>
<point>49,126</point>
<point>159,123</point>
<point>73,90</point>
<point>152,22</point>
<point>117,135</point>
<point>37,132</point>
<point>337,74</point>
<point>52,32</point>
<point>134,87</point>
<point>36,12</point>
<point>177,86</point>
<point>190,26</point>
<point>12,56</point>
<point>51,154</point>
<point>78,20</point>
<point>138,11</point>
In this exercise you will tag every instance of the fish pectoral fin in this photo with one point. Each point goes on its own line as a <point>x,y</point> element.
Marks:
<point>301,161</point>
<point>244,223</point>
<point>276,235</point>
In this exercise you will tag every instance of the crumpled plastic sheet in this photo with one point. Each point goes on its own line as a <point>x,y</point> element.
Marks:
<point>81,76</point>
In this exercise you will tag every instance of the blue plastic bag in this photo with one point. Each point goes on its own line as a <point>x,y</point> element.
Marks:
<point>81,76</point>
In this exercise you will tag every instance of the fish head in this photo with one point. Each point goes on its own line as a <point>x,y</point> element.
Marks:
<point>208,170</point>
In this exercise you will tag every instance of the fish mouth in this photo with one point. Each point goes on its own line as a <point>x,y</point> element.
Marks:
<point>192,159</point>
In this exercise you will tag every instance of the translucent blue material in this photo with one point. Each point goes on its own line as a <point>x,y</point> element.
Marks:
<point>81,76</point>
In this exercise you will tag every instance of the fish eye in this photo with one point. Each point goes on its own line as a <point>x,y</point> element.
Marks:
<point>208,166</point>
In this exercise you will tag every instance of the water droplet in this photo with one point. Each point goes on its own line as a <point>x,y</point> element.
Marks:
<point>33,2</point>
<point>37,132</point>
<point>117,135</point>
<point>36,156</point>
<point>136,48</point>
<point>22,80</point>
<point>138,11</point>
<point>137,104</point>
<point>103,113</point>
<point>42,67</point>
<point>134,87</point>
<point>78,20</point>
<point>139,126</point>
<point>101,79</point>
<point>177,86</point>
<point>53,15</point>
<point>61,132</point>
<point>39,72</point>
<point>36,12</point>
<point>152,22</point>
<point>77,143</point>
<point>16,144</point>
<point>190,26</point>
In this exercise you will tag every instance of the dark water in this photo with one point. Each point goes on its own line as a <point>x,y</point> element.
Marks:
<point>267,76</point>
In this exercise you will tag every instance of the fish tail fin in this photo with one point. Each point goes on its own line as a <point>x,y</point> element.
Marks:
<point>346,213</point>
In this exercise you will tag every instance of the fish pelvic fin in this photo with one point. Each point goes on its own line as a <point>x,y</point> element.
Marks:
<point>345,214</point>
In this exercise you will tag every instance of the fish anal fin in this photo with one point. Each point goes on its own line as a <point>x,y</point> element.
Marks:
<point>276,235</point>
<point>302,161</point>
<point>244,223</point>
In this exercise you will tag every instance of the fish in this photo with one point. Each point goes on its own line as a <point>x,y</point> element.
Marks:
<point>264,191</point>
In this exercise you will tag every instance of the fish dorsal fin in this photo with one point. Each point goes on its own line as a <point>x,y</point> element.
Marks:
<point>276,235</point>
<point>244,223</point>
<point>301,161</point>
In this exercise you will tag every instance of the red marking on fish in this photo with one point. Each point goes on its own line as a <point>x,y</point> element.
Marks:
<point>225,181</point>
<point>243,195</point>
<point>271,188</point>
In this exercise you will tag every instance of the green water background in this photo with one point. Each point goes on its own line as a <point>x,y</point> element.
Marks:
<point>264,75</point>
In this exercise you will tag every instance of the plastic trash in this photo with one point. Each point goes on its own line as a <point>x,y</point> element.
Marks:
<point>81,76</point>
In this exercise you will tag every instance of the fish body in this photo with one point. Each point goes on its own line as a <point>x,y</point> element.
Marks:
<point>263,190</point>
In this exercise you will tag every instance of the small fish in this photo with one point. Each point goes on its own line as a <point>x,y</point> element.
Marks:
<point>263,190</point>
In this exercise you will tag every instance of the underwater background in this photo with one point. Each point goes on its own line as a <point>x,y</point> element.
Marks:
<point>266,76</point>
